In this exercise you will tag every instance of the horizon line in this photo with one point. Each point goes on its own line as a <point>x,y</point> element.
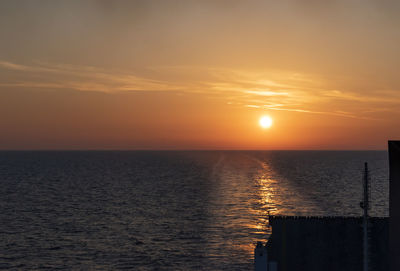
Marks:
<point>183,150</point>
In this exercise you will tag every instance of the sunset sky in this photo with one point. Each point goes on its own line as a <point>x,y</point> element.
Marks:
<point>199,74</point>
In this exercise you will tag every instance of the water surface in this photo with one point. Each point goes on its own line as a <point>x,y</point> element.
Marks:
<point>168,210</point>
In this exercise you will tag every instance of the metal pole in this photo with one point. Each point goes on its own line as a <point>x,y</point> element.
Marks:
<point>365,223</point>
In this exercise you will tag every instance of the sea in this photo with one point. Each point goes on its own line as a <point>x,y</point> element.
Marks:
<point>169,210</point>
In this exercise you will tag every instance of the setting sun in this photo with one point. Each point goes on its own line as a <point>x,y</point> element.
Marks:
<point>265,122</point>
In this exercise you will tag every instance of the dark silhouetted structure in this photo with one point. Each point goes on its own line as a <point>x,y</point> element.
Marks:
<point>327,243</point>
<point>394,205</point>
<point>340,243</point>
<point>365,205</point>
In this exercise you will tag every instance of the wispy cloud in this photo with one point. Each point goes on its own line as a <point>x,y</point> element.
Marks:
<point>332,113</point>
<point>83,78</point>
<point>269,90</point>
<point>378,96</point>
<point>267,93</point>
<point>13,66</point>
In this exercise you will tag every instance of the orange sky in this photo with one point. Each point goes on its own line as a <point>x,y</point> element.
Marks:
<point>199,74</point>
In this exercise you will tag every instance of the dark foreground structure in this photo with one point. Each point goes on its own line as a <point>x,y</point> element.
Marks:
<point>337,243</point>
<point>394,205</point>
<point>327,243</point>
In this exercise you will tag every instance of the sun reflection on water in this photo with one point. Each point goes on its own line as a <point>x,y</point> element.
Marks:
<point>247,194</point>
<point>263,204</point>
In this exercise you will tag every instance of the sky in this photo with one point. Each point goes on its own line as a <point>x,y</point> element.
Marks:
<point>199,74</point>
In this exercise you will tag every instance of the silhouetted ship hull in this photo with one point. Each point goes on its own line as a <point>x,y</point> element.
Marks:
<point>326,243</point>
<point>337,243</point>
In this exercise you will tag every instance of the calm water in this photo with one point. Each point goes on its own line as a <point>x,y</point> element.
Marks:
<point>167,210</point>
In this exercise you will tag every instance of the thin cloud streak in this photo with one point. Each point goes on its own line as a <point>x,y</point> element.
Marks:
<point>267,93</point>
<point>84,77</point>
<point>271,90</point>
<point>339,114</point>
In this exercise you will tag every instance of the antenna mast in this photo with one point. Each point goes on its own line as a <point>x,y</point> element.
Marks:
<point>365,206</point>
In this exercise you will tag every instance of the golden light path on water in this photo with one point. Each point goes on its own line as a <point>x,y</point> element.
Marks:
<point>264,204</point>
<point>247,188</point>
<point>248,193</point>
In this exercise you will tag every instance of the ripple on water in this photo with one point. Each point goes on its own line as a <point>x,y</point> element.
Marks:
<point>167,210</point>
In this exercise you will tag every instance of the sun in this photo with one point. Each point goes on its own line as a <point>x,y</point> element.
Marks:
<point>265,122</point>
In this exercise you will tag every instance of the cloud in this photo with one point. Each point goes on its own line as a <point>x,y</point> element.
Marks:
<point>267,93</point>
<point>378,96</point>
<point>13,66</point>
<point>83,78</point>
<point>269,90</point>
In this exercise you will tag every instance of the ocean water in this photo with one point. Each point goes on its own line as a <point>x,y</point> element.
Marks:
<point>168,210</point>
